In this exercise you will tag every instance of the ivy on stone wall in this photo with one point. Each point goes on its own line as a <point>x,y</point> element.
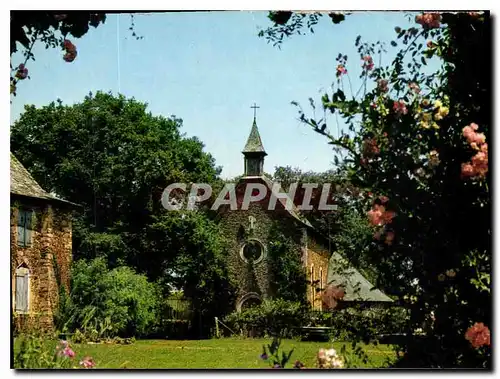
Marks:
<point>289,276</point>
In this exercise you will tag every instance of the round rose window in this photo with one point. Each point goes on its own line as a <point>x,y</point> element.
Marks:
<point>252,251</point>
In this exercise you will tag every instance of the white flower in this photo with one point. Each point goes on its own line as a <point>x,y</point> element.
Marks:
<point>331,353</point>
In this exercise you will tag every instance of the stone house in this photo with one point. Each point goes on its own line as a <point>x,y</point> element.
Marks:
<point>41,249</point>
<point>247,232</point>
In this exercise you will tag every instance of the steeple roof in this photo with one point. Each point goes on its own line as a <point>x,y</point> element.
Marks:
<point>254,143</point>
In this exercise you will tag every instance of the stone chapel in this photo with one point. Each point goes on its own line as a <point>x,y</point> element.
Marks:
<point>248,235</point>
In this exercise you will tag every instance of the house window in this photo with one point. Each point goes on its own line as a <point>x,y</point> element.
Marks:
<point>22,290</point>
<point>24,227</point>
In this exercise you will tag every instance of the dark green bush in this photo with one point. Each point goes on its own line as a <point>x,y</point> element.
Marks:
<point>366,324</point>
<point>105,303</point>
<point>278,317</point>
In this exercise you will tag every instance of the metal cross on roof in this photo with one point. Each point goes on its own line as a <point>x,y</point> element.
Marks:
<point>254,106</point>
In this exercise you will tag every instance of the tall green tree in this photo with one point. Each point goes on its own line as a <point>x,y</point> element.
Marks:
<point>115,158</point>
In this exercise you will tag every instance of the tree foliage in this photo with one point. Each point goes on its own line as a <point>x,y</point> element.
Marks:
<point>50,28</point>
<point>114,158</point>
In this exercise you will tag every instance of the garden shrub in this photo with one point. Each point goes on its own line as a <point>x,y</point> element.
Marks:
<point>107,303</point>
<point>273,318</point>
<point>366,324</point>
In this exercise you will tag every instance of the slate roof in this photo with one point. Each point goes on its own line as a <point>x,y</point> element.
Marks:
<point>254,142</point>
<point>23,184</point>
<point>356,286</point>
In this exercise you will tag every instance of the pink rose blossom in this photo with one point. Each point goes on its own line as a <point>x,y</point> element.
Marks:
<point>71,52</point>
<point>341,70</point>
<point>389,237</point>
<point>467,170</point>
<point>370,147</point>
<point>400,107</point>
<point>367,63</point>
<point>430,20</point>
<point>379,216</point>
<point>414,87</point>
<point>478,335</point>
<point>478,166</point>
<point>375,217</point>
<point>68,352</point>
<point>87,362</point>
<point>22,72</point>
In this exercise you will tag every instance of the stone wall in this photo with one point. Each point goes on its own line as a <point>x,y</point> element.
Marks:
<point>317,259</point>
<point>48,260</point>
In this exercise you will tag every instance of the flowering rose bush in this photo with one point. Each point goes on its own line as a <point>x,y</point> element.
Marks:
<point>419,138</point>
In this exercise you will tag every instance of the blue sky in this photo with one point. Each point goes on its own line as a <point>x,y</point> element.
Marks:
<point>208,69</point>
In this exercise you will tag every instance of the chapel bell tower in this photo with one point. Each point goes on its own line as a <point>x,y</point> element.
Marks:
<point>254,152</point>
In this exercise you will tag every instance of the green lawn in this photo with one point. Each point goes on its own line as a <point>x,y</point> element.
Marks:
<point>214,353</point>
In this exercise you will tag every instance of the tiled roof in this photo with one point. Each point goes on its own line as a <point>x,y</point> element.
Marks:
<point>355,285</point>
<point>22,183</point>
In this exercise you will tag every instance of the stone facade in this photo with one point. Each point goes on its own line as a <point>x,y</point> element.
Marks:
<point>48,261</point>
<point>242,226</point>
<point>317,261</point>
<point>44,252</point>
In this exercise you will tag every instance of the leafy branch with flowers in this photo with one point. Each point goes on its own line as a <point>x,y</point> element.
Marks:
<point>417,138</point>
<point>55,30</point>
<point>50,28</point>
